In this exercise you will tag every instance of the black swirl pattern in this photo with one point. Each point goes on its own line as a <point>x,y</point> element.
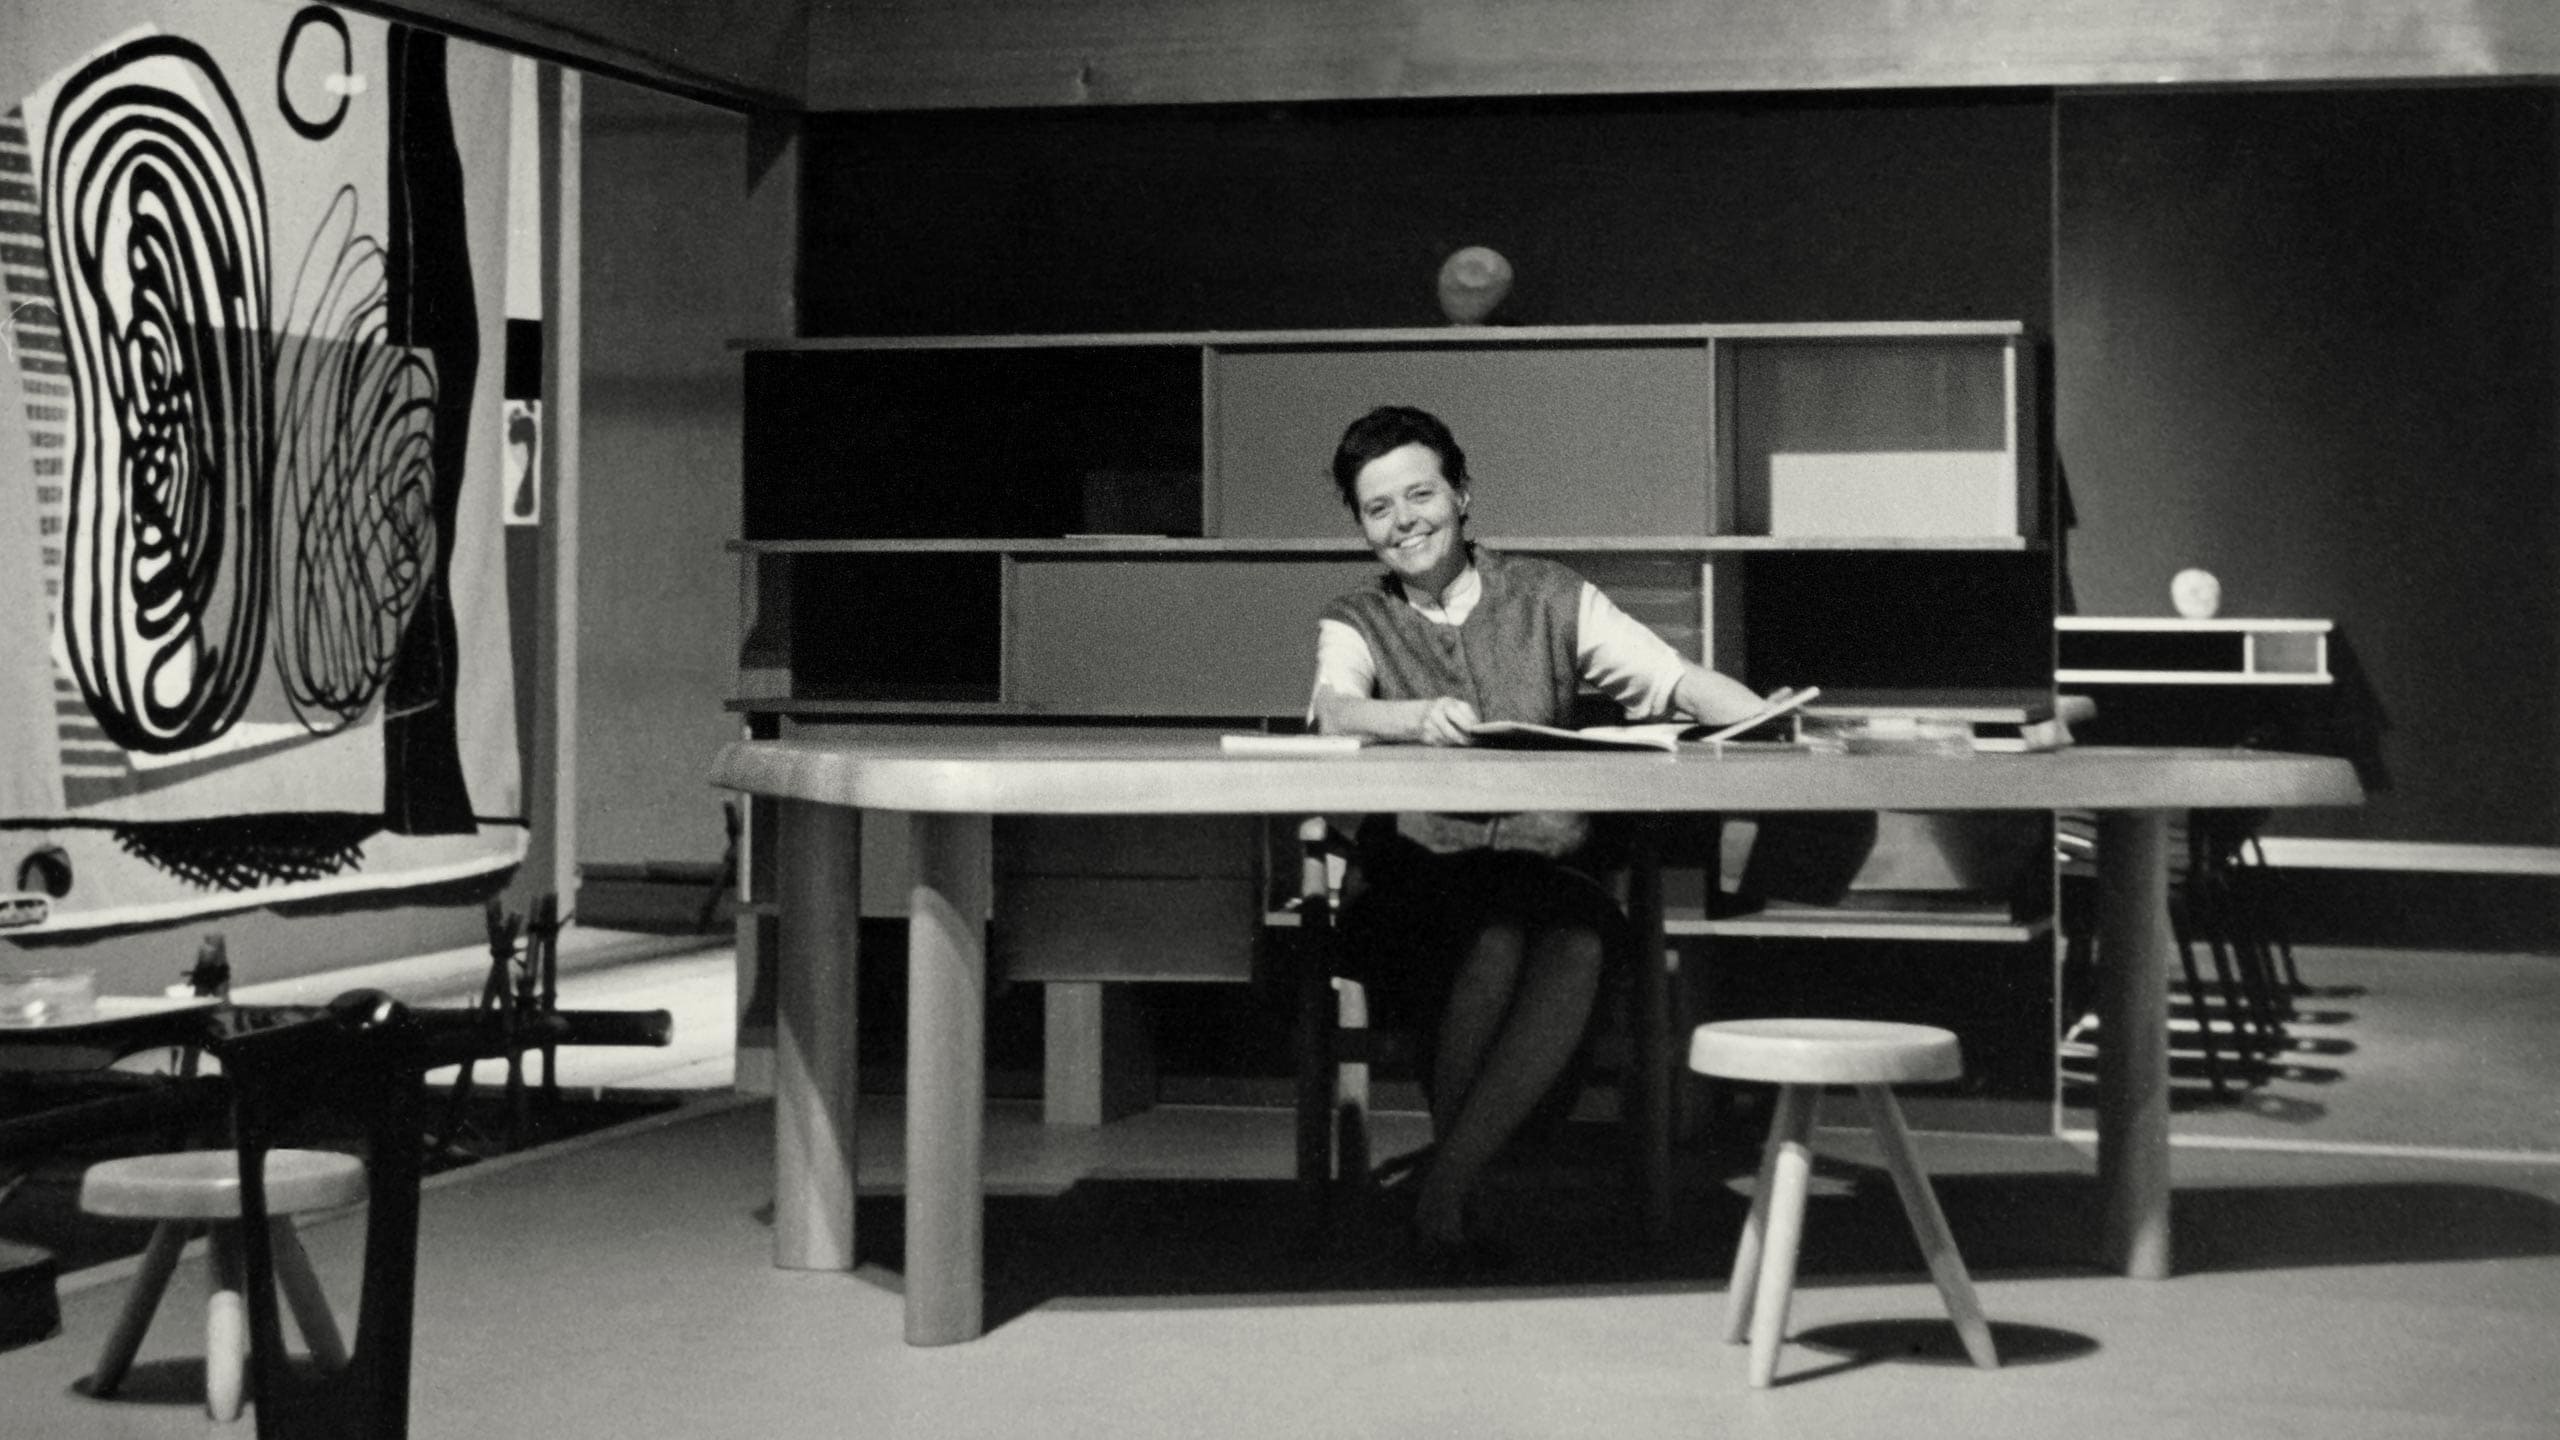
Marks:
<point>156,216</point>
<point>304,125</point>
<point>355,537</point>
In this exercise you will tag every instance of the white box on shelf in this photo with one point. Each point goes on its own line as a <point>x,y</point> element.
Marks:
<point>1935,493</point>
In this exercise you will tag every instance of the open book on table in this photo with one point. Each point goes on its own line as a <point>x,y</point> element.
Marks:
<point>1666,735</point>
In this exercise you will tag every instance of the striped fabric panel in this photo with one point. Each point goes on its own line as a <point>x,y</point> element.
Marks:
<point>94,768</point>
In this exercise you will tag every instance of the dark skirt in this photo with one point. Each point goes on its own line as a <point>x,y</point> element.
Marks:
<point>1419,913</point>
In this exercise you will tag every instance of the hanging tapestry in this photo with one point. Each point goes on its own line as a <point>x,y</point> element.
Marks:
<point>253,631</point>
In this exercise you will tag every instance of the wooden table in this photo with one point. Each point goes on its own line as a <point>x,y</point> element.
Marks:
<point>951,780</point>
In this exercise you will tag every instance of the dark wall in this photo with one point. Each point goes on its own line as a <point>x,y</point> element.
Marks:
<point>2305,340</point>
<point>1920,206</point>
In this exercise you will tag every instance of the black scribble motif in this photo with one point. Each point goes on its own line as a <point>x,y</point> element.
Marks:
<point>156,217</point>
<point>355,531</point>
<point>248,852</point>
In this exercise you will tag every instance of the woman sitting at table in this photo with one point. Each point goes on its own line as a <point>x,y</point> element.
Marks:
<point>1490,928</point>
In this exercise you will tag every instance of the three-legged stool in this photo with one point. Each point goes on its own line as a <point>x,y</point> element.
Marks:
<point>187,1189</point>
<point>1800,1057</point>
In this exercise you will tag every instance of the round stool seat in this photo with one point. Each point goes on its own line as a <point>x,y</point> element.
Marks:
<point>1825,1052</point>
<point>205,1184</point>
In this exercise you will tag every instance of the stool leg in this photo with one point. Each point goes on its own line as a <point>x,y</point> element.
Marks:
<point>226,1325</point>
<point>310,1304</point>
<point>1755,1226</point>
<point>159,1258</point>
<point>1929,1223</point>
<point>1777,1280</point>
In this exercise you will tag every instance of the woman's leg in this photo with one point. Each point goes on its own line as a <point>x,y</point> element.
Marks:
<point>1479,998</point>
<point>1542,1024</point>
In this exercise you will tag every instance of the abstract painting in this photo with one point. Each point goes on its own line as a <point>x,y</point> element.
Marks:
<point>253,629</point>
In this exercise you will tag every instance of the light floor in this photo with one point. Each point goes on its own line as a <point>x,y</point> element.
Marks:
<point>1145,1283</point>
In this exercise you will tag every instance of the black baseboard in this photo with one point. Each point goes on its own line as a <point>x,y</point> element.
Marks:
<point>2415,910</point>
<point>653,899</point>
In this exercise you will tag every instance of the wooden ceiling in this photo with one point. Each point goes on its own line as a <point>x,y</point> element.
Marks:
<point>875,55</point>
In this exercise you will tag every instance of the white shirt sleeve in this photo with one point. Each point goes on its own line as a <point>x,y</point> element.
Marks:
<point>1343,663</point>
<point>1620,655</point>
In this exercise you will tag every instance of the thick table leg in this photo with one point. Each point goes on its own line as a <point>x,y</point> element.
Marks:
<point>946,1079</point>
<point>816,1074</point>
<point>2133,1041</point>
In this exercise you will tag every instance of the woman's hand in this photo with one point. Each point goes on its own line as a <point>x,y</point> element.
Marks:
<point>1714,699</point>
<point>1445,720</point>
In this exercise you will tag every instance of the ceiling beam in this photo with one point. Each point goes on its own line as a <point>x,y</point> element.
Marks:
<point>738,54</point>
<point>941,54</point>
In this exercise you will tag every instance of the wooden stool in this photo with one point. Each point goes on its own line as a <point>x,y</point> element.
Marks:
<point>191,1188</point>
<point>1800,1057</point>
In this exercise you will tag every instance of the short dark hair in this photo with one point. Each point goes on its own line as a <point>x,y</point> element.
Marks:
<point>1392,427</point>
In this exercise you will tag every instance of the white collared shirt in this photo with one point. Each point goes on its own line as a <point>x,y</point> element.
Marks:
<point>1615,651</point>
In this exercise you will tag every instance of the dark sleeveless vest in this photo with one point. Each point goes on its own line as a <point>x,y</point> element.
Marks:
<point>1513,659</point>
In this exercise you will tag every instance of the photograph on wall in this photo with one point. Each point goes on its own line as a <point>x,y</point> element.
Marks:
<point>252,598</point>
<point>524,459</point>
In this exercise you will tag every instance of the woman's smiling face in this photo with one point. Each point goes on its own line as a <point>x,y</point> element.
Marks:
<point>1410,514</point>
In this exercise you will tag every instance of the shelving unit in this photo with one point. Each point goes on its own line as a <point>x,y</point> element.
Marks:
<point>1010,490</point>
<point>1141,527</point>
<point>2121,650</point>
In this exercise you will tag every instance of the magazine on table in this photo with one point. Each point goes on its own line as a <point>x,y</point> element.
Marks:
<point>1663,735</point>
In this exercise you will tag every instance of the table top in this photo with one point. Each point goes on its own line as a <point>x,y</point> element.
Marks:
<point>1075,770</point>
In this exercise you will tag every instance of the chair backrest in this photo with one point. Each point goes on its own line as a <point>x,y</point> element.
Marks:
<point>361,1056</point>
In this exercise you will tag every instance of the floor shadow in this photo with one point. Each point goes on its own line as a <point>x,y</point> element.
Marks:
<point>1107,1241</point>
<point>2283,1227</point>
<point>1858,1344</point>
<point>173,1381</point>
<point>176,1380</point>
<point>2191,1093</point>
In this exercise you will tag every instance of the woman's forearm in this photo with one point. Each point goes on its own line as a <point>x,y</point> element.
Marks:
<point>1705,695</point>
<point>1339,714</point>
<point>1439,721</point>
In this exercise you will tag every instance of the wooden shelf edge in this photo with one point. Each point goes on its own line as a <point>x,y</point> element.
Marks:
<point>1848,923</point>
<point>1124,547</point>
<point>1839,925</point>
<point>1872,542</point>
<point>1434,335</point>
<point>804,705</point>
<point>2165,624</point>
<point>2186,677</point>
